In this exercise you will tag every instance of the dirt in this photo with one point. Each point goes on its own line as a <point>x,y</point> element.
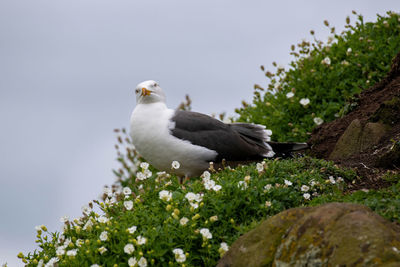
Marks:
<point>380,103</point>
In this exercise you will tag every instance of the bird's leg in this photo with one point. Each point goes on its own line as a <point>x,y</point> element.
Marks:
<point>183,180</point>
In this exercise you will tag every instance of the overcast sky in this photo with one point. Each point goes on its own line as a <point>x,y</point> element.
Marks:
<point>68,70</point>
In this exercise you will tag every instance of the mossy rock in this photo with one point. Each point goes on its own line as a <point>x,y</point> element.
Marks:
<point>358,137</point>
<point>334,234</point>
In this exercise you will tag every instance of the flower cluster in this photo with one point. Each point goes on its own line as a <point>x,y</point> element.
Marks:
<point>210,184</point>
<point>179,255</point>
<point>194,199</point>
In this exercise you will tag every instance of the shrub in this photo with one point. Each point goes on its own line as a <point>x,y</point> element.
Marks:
<point>324,77</point>
<point>149,218</point>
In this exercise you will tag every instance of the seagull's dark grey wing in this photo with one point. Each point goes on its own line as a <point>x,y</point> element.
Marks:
<point>232,142</point>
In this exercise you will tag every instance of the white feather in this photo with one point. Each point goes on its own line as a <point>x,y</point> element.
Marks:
<point>150,131</point>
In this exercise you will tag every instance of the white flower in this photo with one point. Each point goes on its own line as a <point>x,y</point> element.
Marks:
<point>144,165</point>
<point>290,95</point>
<point>326,61</point>
<point>267,187</point>
<point>102,219</point>
<point>129,248</point>
<point>177,251</point>
<point>102,250</point>
<point>148,173</point>
<point>268,203</point>
<point>86,209</point>
<point>127,191</point>
<point>88,224</point>
<point>52,262</point>
<point>206,175</point>
<point>193,197</point>
<point>306,196</point>
<point>60,251</point>
<point>349,50</point>
<point>339,179</point>
<point>142,262</point>
<point>205,233</point>
<point>165,195</point>
<point>107,191</point>
<point>128,204</point>
<point>260,166</point>
<point>304,101</point>
<point>194,205</point>
<point>159,174</point>
<point>288,183</point>
<point>132,261</point>
<point>175,165</point>
<point>64,219</point>
<point>103,236</point>
<point>332,180</point>
<point>318,120</point>
<point>305,188</point>
<point>94,265</point>
<point>217,187</point>
<point>183,221</point>
<point>141,176</point>
<point>209,184</point>
<point>345,63</point>
<point>132,229</point>
<point>79,242</point>
<point>141,240</point>
<point>242,185</point>
<point>72,252</point>
<point>179,255</point>
<point>223,247</point>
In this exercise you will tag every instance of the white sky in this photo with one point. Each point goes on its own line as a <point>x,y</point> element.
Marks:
<point>68,69</point>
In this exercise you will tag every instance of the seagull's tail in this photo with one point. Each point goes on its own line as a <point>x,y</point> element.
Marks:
<point>257,134</point>
<point>285,149</point>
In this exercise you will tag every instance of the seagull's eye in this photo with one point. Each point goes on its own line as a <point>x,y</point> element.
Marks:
<point>137,91</point>
<point>155,84</point>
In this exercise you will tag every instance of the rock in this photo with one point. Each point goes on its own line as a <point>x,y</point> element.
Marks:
<point>334,234</point>
<point>372,134</point>
<point>358,137</point>
<point>349,143</point>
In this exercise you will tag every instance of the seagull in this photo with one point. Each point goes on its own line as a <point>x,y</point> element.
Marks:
<point>162,135</point>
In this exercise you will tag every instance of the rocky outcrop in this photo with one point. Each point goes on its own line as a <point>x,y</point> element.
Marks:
<point>368,131</point>
<point>357,138</point>
<point>334,234</point>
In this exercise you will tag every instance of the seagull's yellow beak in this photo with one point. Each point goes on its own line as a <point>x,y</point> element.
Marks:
<point>145,92</point>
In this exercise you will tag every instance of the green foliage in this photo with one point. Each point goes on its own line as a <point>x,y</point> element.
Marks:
<point>385,202</point>
<point>226,203</point>
<point>329,75</point>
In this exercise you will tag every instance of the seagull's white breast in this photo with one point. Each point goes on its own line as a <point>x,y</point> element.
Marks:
<point>150,132</point>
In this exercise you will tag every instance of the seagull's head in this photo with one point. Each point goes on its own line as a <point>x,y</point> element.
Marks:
<point>149,92</point>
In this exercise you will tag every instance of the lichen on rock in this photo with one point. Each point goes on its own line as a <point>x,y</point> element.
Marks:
<point>334,234</point>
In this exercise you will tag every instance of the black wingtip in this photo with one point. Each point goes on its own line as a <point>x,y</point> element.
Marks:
<point>287,148</point>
